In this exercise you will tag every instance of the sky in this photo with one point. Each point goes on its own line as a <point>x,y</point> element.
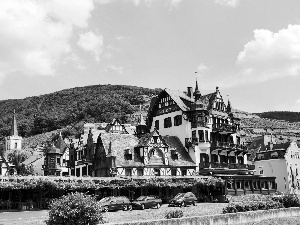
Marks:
<point>250,49</point>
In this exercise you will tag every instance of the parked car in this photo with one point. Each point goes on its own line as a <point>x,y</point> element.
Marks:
<point>143,202</point>
<point>183,199</point>
<point>115,203</point>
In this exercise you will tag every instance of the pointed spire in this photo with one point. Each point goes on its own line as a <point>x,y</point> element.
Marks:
<point>142,121</point>
<point>229,107</point>
<point>14,128</point>
<point>197,93</point>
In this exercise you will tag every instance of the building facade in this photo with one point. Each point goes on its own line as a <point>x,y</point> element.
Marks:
<point>206,127</point>
<point>280,160</point>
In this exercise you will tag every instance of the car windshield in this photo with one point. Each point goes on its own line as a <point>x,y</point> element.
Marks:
<point>105,199</point>
<point>141,198</point>
<point>180,195</point>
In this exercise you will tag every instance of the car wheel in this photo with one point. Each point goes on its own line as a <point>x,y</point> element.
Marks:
<point>143,206</point>
<point>129,207</point>
<point>105,209</point>
<point>125,207</point>
<point>158,206</point>
<point>194,203</point>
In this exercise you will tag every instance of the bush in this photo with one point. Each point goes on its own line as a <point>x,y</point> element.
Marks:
<point>75,209</point>
<point>234,207</point>
<point>288,200</point>
<point>174,214</point>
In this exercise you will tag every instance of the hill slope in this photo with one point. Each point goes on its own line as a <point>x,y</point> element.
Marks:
<point>98,103</point>
<point>281,115</point>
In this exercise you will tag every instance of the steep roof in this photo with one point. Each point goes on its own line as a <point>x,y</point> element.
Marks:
<point>14,128</point>
<point>120,143</point>
<point>179,98</point>
<point>184,158</point>
<point>61,144</point>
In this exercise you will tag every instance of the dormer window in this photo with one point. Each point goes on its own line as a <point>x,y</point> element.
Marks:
<point>174,155</point>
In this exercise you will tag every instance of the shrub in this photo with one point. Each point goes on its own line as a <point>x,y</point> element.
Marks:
<point>174,214</point>
<point>75,209</point>
<point>288,200</point>
<point>234,207</point>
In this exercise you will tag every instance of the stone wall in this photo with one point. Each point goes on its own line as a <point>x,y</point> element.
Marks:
<point>229,218</point>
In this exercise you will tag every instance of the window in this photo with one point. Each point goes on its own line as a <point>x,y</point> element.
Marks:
<point>173,172</point>
<point>206,135</point>
<point>58,160</point>
<point>261,172</point>
<point>177,120</point>
<point>156,124</point>
<point>201,135</point>
<point>193,134</point>
<point>16,145</point>
<point>183,172</point>
<point>128,172</point>
<point>157,172</point>
<point>168,122</point>
<point>140,172</point>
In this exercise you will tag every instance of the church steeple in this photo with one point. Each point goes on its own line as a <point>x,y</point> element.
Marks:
<point>229,107</point>
<point>14,128</point>
<point>141,127</point>
<point>197,93</point>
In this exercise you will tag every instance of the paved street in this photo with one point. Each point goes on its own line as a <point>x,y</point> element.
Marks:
<point>22,216</point>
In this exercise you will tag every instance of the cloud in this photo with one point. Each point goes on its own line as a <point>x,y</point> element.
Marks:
<point>149,3</point>
<point>35,35</point>
<point>229,3</point>
<point>118,69</point>
<point>202,67</point>
<point>92,43</point>
<point>271,55</point>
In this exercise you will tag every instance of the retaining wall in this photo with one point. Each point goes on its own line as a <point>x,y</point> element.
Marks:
<point>229,218</point>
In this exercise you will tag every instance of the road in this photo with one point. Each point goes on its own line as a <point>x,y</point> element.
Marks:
<point>22,217</point>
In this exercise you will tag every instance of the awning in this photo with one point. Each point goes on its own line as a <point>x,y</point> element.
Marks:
<point>224,152</point>
<point>232,153</point>
<point>241,154</point>
<point>215,152</point>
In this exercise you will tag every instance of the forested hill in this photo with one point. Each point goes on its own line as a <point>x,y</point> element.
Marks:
<point>98,103</point>
<point>281,115</point>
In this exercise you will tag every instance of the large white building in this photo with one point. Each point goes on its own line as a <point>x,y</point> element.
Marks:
<point>204,124</point>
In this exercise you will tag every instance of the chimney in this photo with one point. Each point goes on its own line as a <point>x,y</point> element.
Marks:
<point>189,91</point>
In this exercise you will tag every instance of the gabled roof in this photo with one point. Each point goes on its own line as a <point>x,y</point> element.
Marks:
<point>61,144</point>
<point>122,143</point>
<point>179,98</point>
<point>207,100</point>
<point>184,158</point>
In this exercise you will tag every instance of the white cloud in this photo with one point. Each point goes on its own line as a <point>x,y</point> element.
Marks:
<point>35,35</point>
<point>229,3</point>
<point>271,55</point>
<point>91,42</point>
<point>171,3</point>
<point>202,67</point>
<point>118,69</point>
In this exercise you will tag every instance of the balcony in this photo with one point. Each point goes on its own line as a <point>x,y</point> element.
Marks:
<point>217,165</point>
<point>224,145</point>
<point>223,128</point>
<point>199,124</point>
<point>189,142</point>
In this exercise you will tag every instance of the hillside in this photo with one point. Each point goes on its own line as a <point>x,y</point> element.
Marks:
<point>281,115</point>
<point>72,107</point>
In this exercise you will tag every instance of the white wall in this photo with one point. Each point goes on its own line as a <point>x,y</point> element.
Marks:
<point>182,131</point>
<point>276,168</point>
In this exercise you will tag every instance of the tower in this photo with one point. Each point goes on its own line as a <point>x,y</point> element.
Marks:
<point>141,128</point>
<point>197,93</point>
<point>14,141</point>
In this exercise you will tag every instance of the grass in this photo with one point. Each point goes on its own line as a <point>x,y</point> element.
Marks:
<point>200,209</point>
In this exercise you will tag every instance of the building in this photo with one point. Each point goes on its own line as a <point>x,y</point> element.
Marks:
<point>56,160</point>
<point>280,160</point>
<point>206,127</point>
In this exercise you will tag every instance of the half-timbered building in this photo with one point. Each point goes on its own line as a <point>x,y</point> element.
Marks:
<point>205,126</point>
